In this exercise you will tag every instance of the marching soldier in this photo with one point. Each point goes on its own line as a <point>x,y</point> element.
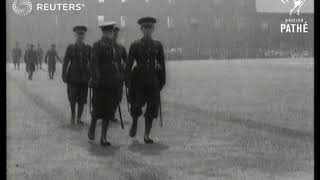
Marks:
<point>75,72</point>
<point>50,59</point>
<point>39,57</point>
<point>122,57</point>
<point>147,78</point>
<point>30,57</point>
<point>16,56</point>
<point>26,50</point>
<point>106,80</point>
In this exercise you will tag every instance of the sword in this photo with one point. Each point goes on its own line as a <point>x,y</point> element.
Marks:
<point>121,121</point>
<point>161,121</point>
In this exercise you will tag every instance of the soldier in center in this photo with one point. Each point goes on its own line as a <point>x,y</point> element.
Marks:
<point>105,81</point>
<point>147,78</point>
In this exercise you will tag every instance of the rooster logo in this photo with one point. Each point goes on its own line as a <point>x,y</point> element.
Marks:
<point>22,7</point>
<point>297,4</point>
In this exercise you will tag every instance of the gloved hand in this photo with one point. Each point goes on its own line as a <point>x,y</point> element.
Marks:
<point>127,81</point>
<point>64,78</point>
<point>94,83</point>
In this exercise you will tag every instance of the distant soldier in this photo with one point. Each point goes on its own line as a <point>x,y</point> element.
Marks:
<point>122,58</point>
<point>147,78</point>
<point>39,57</point>
<point>26,50</point>
<point>75,72</point>
<point>106,80</point>
<point>50,59</point>
<point>30,60</point>
<point>16,56</point>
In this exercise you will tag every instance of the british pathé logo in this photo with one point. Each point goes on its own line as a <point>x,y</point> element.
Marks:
<point>22,7</point>
<point>297,5</point>
<point>294,26</point>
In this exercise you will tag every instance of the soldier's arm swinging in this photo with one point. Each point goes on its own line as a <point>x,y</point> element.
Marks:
<point>59,59</point>
<point>161,60</point>
<point>124,57</point>
<point>129,64</point>
<point>65,64</point>
<point>46,57</point>
<point>94,64</point>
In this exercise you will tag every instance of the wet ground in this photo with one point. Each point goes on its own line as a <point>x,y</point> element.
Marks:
<point>222,120</point>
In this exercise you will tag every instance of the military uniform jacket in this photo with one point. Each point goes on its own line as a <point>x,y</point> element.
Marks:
<point>16,54</point>
<point>147,54</point>
<point>51,57</point>
<point>30,56</point>
<point>76,64</point>
<point>104,65</point>
<point>122,56</point>
<point>39,54</point>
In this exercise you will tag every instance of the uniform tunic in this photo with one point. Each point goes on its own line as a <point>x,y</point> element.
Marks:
<point>39,55</point>
<point>30,60</point>
<point>146,79</point>
<point>76,71</point>
<point>16,55</point>
<point>106,79</point>
<point>51,59</point>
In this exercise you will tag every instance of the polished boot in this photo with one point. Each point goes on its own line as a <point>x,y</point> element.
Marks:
<point>72,107</point>
<point>92,128</point>
<point>148,126</point>
<point>133,129</point>
<point>104,129</point>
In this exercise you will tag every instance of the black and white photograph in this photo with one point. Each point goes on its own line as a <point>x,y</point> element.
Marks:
<point>160,89</point>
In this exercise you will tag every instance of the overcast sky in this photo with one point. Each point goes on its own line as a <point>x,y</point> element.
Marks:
<point>276,6</point>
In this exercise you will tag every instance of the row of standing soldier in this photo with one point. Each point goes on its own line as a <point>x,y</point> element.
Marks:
<point>33,59</point>
<point>105,68</point>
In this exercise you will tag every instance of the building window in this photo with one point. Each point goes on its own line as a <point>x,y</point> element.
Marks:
<point>218,22</point>
<point>242,3</point>
<point>172,2</point>
<point>216,2</point>
<point>170,22</point>
<point>241,23</point>
<point>100,19</point>
<point>264,26</point>
<point>123,21</point>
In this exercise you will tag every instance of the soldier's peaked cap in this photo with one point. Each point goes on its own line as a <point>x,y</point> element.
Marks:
<point>80,28</point>
<point>147,20</point>
<point>107,26</point>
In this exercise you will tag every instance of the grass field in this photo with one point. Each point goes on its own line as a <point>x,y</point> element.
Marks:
<point>278,92</point>
<point>223,120</point>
